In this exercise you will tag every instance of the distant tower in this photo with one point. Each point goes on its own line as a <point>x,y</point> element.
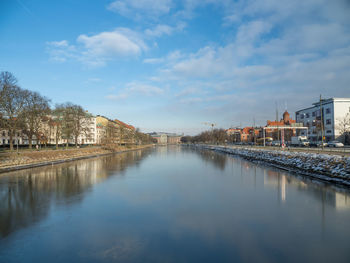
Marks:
<point>286,117</point>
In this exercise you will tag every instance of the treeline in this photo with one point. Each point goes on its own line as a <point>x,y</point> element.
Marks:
<point>30,112</point>
<point>215,136</point>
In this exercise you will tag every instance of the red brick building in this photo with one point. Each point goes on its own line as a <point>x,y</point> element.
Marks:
<point>246,134</point>
<point>286,122</point>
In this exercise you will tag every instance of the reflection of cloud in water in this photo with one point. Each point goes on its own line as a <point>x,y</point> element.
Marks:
<point>122,250</point>
<point>217,159</point>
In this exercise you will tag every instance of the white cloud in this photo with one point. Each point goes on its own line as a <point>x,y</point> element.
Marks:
<point>272,50</point>
<point>120,42</point>
<point>136,89</point>
<point>170,58</point>
<point>144,89</point>
<point>63,43</point>
<point>60,51</point>
<point>153,60</point>
<point>96,50</point>
<point>160,30</point>
<point>250,32</point>
<point>284,51</point>
<point>201,64</point>
<point>136,9</point>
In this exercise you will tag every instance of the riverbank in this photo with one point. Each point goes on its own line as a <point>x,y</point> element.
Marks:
<point>28,159</point>
<point>325,167</point>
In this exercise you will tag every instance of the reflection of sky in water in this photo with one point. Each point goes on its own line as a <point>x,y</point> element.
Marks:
<point>175,205</point>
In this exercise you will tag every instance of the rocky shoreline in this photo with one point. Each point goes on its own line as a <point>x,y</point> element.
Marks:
<point>333,169</point>
<point>25,160</point>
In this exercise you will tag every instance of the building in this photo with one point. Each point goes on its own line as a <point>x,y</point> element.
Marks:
<point>273,129</point>
<point>324,117</point>
<point>107,131</point>
<point>246,134</point>
<point>174,139</point>
<point>5,138</point>
<point>89,131</point>
<point>161,138</point>
<point>166,138</point>
<point>126,131</point>
<point>234,134</point>
<point>92,130</point>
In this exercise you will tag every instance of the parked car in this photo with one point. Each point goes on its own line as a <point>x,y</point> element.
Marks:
<point>300,141</point>
<point>268,144</point>
<point>313,144</point>
<point>275,143</point>
<point>335,144</point>
<point>319,144</point>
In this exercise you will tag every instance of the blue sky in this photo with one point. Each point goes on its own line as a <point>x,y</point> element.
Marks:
<point>166,65</point>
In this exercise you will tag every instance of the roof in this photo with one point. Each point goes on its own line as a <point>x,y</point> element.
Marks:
<point>124,124</point>
<point>325,101</point>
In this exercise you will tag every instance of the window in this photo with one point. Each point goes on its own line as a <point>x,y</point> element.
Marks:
<point>328,121</point>
<point>302,116</point>
<point>3,133</point>
<point>328,110</point>
<point>313,113</point>
<point>307,115</point>
<point>328,131</point>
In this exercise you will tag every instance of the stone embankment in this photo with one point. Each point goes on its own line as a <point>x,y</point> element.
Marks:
<point>10,161</point>
<point>330,168</point>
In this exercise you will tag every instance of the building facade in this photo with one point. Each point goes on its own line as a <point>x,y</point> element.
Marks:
<point>5,138</point>
<point>274,129</point>
<point>166,138</point>
<point>324,117</point>
<point>246,134</point>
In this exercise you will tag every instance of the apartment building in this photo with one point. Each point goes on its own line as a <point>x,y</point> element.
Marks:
<point>5,138</point>
<point>324,117</point>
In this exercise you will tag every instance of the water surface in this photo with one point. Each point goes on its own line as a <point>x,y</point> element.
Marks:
<point>170,204</point>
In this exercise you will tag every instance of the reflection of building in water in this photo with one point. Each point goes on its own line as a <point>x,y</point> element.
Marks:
<point>281,180</point>
<point>327,196</point>
<point>27,196</point>
<point>342,201</point>
<point>283,188</point>
<point>218,160</point>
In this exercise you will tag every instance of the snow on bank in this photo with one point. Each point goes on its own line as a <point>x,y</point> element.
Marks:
<point>330,168</point>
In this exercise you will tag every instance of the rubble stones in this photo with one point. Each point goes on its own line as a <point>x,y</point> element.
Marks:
<point>330,168</point>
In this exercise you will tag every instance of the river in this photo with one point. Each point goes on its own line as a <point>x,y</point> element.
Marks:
<point>170,204</point>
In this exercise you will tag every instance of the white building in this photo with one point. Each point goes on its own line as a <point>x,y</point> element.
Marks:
<point>89,131</point>
<point>5,138</point>
<point>49,131</point>
<point>333,110</point>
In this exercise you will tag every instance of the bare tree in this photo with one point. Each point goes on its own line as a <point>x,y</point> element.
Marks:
<point>81,122</point>
<point>142,138</point>
<point>73,121</point>
<point>12,102</point>
<point>56,123</point>
<point>36,108</point>
<point>64,121</point>
<point>344,127</point>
